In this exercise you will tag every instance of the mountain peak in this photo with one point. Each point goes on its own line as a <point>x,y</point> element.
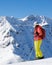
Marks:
<point>31,16</point>
<point>27,18</point>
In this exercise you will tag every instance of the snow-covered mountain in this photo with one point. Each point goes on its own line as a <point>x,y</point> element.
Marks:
<point>16,38</point>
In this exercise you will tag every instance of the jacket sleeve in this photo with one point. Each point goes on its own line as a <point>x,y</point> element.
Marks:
<point>36,33</point>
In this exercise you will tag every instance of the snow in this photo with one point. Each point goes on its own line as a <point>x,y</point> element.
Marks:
<point>6,56</point>
<point>38,62</point>
<point>35,62</point>
<point>24,19</point>
<point>16,40</point>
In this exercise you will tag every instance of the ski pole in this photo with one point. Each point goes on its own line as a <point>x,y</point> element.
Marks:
<point>30,54</point>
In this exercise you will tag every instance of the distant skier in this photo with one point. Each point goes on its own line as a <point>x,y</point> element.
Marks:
<point>39,35</point>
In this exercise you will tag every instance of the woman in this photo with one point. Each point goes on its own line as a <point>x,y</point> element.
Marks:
<point>39,35</point>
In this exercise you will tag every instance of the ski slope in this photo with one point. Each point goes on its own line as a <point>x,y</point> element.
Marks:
<point>16,38</point>
<point>37,62</point>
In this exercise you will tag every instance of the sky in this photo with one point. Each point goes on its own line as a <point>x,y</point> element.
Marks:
<point>22,8</point>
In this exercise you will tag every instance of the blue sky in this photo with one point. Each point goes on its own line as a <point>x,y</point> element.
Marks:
<point>22,8</point>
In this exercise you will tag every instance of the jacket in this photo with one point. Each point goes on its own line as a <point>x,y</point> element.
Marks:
<point>38,33</point>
